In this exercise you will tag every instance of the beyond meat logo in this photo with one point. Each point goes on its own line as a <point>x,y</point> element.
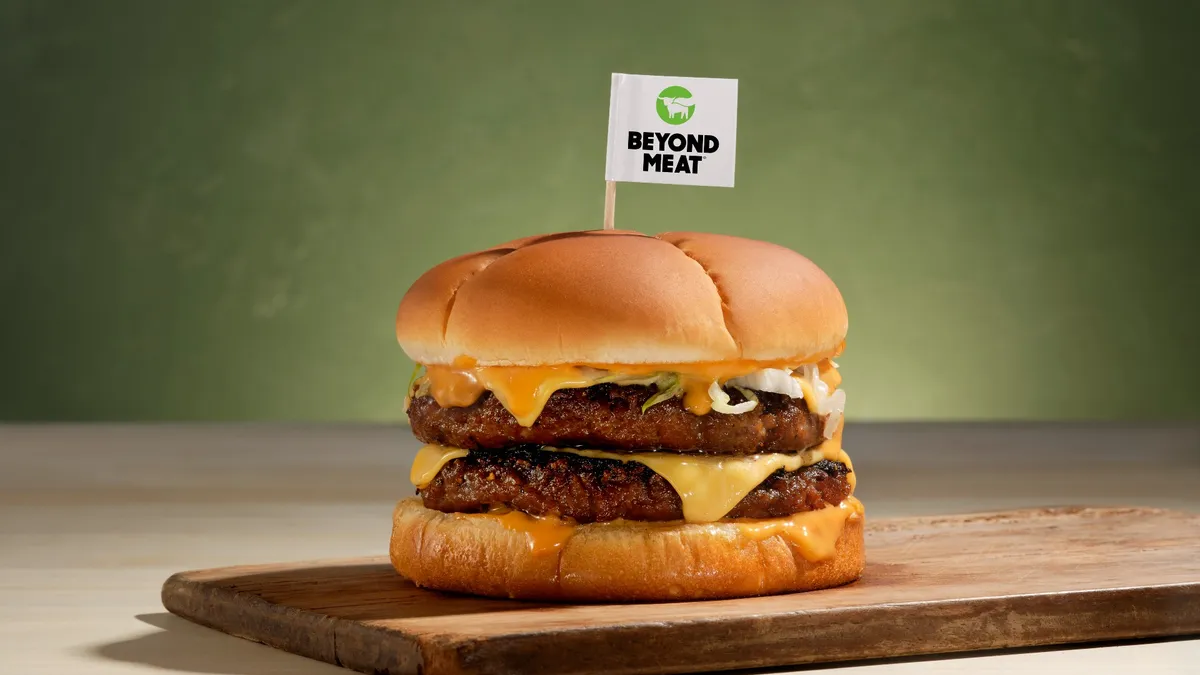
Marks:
<point>674,105</point>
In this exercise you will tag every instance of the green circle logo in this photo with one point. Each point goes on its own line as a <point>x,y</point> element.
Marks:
<point>674,105</point>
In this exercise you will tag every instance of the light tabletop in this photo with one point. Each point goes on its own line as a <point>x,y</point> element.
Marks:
<point>93,518</point>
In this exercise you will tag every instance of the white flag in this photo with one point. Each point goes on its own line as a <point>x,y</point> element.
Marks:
<point>672,130</point>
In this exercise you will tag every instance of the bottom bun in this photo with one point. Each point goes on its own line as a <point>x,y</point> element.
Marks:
<point>625,561</point>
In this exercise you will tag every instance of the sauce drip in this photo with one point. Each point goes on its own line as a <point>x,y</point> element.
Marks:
<point>544,534</point>
<point>453,387</point>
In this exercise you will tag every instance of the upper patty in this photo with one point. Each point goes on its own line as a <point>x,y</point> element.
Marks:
<point>610,417</point>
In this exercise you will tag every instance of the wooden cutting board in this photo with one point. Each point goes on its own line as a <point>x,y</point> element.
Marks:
<point>932,585</point>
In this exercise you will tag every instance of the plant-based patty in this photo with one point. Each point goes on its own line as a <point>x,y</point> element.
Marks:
<point>589,490</point>
<point>610,417</point>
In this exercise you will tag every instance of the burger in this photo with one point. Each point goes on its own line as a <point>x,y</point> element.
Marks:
<point>612,416</point>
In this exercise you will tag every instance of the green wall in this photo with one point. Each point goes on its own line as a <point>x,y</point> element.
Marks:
<point>211,209</point>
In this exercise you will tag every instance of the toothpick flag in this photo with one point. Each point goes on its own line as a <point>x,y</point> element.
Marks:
<point>679,130</point>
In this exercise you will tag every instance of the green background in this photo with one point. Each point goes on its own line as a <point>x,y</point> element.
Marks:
<point>211,209</point>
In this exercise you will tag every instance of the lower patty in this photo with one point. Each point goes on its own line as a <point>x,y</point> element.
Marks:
<point>592,490</point>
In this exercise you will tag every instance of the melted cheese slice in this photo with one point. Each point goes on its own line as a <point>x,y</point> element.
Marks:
<point>429,462</point>
<point>813,533</point>
<point>524,390</point>
<point>709,486</point>
<point>544,535</point>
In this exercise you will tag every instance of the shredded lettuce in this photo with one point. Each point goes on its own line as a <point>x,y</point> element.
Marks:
<point>669,386</point>
<point>750,395</point>
<point>415,374</point>
<point>832,404</point>
<point>720,400</point>
<point>422,385</point>
<point>775,380</point>
<point>631,380</point>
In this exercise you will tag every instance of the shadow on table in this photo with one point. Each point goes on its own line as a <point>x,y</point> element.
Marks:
<point>183,646</point>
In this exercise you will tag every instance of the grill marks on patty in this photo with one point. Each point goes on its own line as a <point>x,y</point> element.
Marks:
<point>500,470</point>
<point>590,490</point>
<point>610,417</point>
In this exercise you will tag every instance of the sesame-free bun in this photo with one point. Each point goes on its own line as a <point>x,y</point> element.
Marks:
<point>627,561</point>
<point>621,297</point>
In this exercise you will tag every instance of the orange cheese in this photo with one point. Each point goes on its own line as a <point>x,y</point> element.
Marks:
<point>545,535</point>
<point>695,396</point>
<point>813,533</point>
<point>453,387</point>
<point>832,450</point>
<point>805,387</point>
<point>524,390</point>
<point>829,374</point>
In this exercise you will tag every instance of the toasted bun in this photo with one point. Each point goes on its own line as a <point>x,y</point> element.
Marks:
<point>623,297</point>
<point>610,562</point>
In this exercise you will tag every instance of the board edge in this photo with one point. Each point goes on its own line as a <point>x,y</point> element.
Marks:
<point>323,638</point>
<point>1127,613</point>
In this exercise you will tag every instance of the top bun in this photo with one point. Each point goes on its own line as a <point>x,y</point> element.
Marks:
<point>620,297</point>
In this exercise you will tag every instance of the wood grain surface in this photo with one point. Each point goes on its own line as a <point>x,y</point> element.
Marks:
<point>932,585</point>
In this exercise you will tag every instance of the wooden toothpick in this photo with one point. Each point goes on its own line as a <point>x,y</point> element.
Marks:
<point>610,203</point>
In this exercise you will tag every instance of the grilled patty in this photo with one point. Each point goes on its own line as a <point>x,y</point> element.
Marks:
<point>610,417</point>
<point>591,490</point>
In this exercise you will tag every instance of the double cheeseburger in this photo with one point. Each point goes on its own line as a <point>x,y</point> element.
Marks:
<point>615,416</point>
